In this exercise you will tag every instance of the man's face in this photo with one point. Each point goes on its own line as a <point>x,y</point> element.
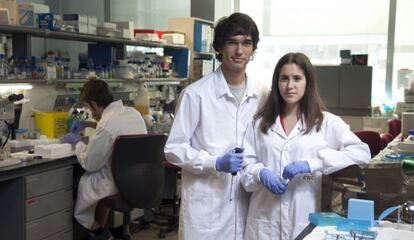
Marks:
<point>236,52</point>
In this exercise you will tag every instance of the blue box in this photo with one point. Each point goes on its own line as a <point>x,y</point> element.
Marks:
<point>50,21</point>
<point>361,210</point>
<point>325,219</point>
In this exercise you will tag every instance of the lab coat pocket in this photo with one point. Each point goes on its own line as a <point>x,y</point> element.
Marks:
<point>202,209</point>
<point>260,229</point>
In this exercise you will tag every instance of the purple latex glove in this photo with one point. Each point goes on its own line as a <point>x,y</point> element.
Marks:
<point>272,182</point>
<point>79,125</point>
<point>295,168</point>
<point>230,162</point>
<point>71,138</point>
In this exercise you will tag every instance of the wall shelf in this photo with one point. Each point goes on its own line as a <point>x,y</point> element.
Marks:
<point>74,36</point>
<point>150,81</point>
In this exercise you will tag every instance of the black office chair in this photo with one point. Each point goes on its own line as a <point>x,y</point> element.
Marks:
<point>138,170</point>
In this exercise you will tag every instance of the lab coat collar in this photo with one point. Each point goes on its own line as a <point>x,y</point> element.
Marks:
<point>278,128</point>
<point>113,106</point>
<point>222,88</point>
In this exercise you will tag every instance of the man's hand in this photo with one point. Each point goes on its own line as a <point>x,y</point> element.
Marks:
<point>230,162</point>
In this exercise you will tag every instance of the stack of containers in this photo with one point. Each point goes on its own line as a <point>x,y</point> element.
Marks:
<point>78,22</point>
<point>126,29</point>
<point>92,24</point>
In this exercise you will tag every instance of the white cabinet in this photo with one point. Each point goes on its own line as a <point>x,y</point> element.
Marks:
<point>345,90</point>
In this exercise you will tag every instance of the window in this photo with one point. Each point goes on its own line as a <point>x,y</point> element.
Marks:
<point>320,29</point>
<point>404,48</point>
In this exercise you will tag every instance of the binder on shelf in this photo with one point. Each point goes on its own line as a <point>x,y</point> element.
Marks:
<point>198,36</point>
<point>180,60</point>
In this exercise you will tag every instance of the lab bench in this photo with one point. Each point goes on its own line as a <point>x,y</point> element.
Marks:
<point>36,200</point>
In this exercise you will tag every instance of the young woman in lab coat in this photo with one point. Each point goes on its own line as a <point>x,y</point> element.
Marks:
<point>292,138</point>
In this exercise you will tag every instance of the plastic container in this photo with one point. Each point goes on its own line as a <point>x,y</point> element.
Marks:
<point>22,133</point>
<point>52,124</point>
<point>142,100</point>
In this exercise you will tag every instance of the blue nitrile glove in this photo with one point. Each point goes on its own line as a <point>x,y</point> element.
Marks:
<point>79,125</point>
<point>295,168</point>
<point>272,182</point>
<point>230,162</point>
<point>72,138</point>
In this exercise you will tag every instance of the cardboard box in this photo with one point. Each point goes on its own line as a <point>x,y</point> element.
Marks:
<point>125,25</point>
<point>124,33</point>
<point>39,8</point>
<point>108,25</point>
<point>26,15</point>
<point>126,29</point>
<point>174,37</point>
<point>78,21</point>
<point>92,24</point>
<point>5,16</point>
<point>13,10</point>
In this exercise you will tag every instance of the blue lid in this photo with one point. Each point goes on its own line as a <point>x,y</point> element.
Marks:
<point>411,132</point>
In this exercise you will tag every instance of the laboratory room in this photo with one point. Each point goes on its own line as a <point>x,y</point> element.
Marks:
<point>206,119</point>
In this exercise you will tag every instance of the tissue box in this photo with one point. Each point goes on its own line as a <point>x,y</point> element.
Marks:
<point>53,150</point>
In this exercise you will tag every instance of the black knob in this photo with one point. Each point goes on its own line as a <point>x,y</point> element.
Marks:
<point>237,150</point>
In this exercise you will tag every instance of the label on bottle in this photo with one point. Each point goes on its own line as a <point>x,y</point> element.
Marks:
<point>143,109</point>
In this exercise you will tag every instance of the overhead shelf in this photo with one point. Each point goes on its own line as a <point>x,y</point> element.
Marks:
<point>46,33</point>
<point>151,81</point>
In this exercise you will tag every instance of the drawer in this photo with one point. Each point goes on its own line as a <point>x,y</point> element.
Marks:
<point>49,225</point>
<point>64,235</point>
<point>50,181</point>
<point>47,204</point>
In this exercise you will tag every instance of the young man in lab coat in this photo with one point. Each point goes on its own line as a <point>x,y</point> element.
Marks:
<point>114,119</point>
<point>209,124</point>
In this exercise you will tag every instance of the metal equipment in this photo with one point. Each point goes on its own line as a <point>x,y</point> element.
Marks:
<point>6,123</point>
<point>386,183</point>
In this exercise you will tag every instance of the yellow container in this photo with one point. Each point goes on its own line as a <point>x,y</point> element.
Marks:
<point>52,124</point>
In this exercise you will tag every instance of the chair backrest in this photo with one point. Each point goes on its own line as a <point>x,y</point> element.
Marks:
<point>373,140</point>
<point>138,168</point>
<point>386,138</point>
<point>394,126</point>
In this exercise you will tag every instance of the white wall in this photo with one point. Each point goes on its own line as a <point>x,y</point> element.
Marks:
<point>223,8</point>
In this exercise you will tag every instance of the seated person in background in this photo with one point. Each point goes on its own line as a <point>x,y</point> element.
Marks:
<point>114,119</point>
<point>292,138</point>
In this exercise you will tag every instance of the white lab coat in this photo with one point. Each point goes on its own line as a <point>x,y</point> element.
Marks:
<point>97,182</point>
<point>207,124</point>
<point>284,216</point>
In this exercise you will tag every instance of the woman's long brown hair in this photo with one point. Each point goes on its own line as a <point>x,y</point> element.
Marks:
<point>311,105</point>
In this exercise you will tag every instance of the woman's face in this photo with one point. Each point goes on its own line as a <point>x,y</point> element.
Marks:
<point>292,84</point>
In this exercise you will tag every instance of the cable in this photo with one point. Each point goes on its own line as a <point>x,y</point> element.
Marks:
<point>8,134</point>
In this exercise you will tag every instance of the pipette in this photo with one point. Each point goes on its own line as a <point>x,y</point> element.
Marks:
<point>236,150</point>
